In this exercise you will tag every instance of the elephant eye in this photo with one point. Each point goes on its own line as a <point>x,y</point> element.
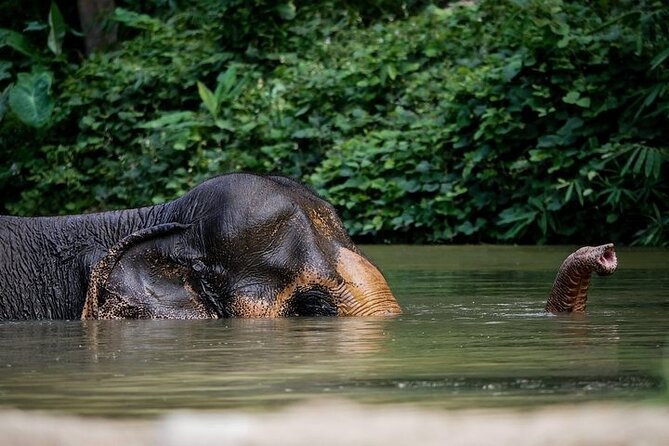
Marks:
<point>198,266</point>
<point>311,302</point>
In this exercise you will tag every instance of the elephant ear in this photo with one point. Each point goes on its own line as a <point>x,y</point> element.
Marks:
<point>135,281</point>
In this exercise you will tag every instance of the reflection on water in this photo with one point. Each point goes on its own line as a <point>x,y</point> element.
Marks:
<point>473,335</point>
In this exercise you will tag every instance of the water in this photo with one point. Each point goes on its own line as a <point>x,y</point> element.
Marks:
<point>473,336</point>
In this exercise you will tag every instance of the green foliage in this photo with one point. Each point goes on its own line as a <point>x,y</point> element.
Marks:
<point>29,99</point>
<point>57,30</point>
<point>513,121</point>
<point>535,126</point>
<point>227,90</point>
<point>17,42</point>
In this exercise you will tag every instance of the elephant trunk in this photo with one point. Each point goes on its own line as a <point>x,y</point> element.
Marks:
<point>570,290</point>
<point>366,292</point>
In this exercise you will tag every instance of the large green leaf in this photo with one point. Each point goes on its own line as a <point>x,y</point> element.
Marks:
<point>57,30</point>
<point>30,100</point>
<point>17,42</point>
<point>208,99</point>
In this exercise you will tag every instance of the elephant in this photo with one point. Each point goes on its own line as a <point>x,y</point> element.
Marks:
<point>237,245</point>
<point>570,289</point>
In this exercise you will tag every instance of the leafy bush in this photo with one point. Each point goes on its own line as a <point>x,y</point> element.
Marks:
<point>515,121</point>
<point>519,121</point>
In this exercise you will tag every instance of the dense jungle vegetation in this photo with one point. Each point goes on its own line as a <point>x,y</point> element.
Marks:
<point>524,121</point>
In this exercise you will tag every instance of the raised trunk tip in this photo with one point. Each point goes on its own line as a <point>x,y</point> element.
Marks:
<point>570,289</point>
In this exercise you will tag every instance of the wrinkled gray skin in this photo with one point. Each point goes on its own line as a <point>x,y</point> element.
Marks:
<point>570,289</point>
<point>238,245</point>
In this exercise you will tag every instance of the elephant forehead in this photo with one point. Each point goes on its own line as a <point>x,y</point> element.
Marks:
<point>325,222</point>
<point>286,223</point>
<point>243,225</point>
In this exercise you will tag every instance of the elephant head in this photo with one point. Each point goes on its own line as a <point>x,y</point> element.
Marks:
<point>239,245</point>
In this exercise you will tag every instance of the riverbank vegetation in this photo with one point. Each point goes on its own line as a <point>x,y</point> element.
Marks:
<point>517,121</point>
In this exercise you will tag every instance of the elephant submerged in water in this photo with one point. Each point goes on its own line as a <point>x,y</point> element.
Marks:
<point>238,245</point>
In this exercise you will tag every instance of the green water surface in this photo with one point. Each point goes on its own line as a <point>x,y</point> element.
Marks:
<point>473,335</point>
